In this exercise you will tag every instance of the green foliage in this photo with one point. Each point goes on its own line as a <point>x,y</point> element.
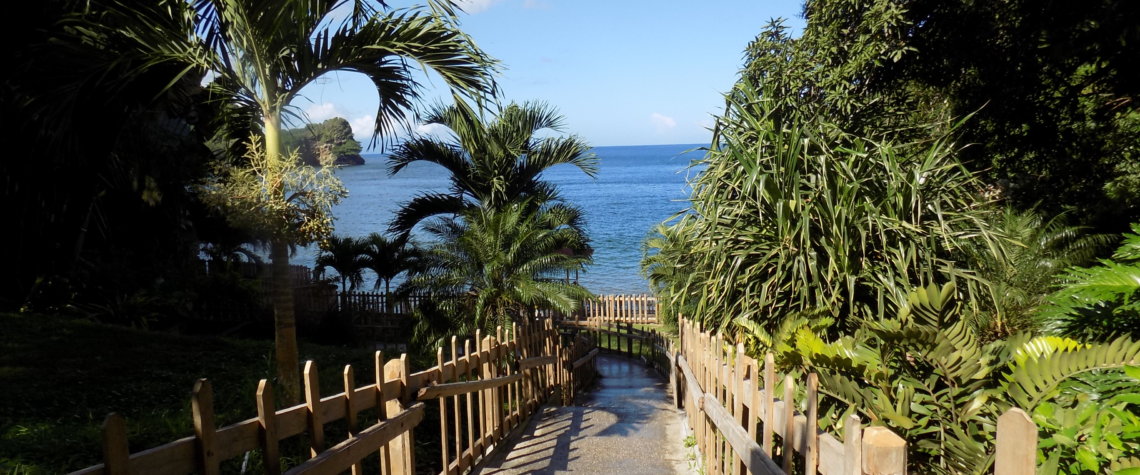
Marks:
<point>1102,302</point>
<point>1021,274</point>
<point>925,374</point>
<point>276,199</point>
<point>793,215</point>
<point>496,266</point>
<point>389,257</point>
<point>345,255</point>
<point>329,142</point>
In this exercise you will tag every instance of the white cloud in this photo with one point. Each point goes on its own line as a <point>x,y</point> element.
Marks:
<point>321,112</point>
<point>475,6</point>
<point>362,126</point>
<point>436,130</point>
<point>662,122</point>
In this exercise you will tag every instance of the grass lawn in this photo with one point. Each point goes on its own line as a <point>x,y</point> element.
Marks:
<point>61,377</point>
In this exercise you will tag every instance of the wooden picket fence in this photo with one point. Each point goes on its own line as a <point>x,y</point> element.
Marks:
<point>735,420</point>
<point>729,411</point>
<point>380,303</point>
<point>489,388</point>
<point>617,308</point>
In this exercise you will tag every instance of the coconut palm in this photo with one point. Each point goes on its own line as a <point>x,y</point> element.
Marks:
<point>492,163</point>
<point>346,256</point>
<point>388,258</point>
<point>262,52</point>
<point>498,265</point>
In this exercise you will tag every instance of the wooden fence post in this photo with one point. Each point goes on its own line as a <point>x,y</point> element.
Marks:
<point>116,453</point>
<point>202,407</point>
<point>350,409</point>
<point>884,452</point>
<point>401,449</point>
<point>789,421</point>
<point>1016,443</point>
<point>267,419</point>
<point>852,446</point>
<point>313,403</point>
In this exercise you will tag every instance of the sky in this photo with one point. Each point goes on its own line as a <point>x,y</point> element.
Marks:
<point>621,72</point>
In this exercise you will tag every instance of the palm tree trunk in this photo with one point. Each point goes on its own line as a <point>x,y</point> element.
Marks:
<point>286,352</point>
<point>284,320</point>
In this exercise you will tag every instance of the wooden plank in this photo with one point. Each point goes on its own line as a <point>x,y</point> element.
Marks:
<point>202,407</point>
<point>769,408</point>
<point>811,432</point>
<point>853,446</point>
<point>738,395</point>
<point>116,451</point>
<point>443,448</point>
<point>267,423</point>
<point>350,410</point>
<point>831,455</point>
<point>313,405</point>
<point>341,456</point>
<point>471,408</point>
<point>378,384</point>
<point>452,389</point>
<point>1016,443</point>
<point>536,361</point>
<point>884,453</point>
<point>455,403</point>
<point>178,456</point>
<point>585,359</point>
<point>789,424</point>
<point>752,454</point>
<point>402,449</point>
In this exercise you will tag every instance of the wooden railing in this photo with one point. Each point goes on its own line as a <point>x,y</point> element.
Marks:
<point>616,308</point>
<point>735,418</point>
<point>486,390</point>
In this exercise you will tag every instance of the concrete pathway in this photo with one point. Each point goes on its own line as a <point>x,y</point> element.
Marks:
<point>627,424</point>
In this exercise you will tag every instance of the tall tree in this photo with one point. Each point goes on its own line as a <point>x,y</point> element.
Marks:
<point>1050,87</point>
<point>261,53</point>
<point>491,163</point>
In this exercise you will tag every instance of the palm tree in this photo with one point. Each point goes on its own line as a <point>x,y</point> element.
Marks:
<point>262,52</point>
<point>345,255</point>
<point>1022,274</point>
<point>498,265</point>
<point>492,164</point>
<point>388,257</point>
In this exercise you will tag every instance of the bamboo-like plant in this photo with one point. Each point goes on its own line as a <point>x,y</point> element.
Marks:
<point>792,215</point>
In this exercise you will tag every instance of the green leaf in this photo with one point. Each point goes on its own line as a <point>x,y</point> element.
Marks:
<point>1088,459</point>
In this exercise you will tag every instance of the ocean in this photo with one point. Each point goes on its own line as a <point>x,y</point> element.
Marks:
<point>636,188</point>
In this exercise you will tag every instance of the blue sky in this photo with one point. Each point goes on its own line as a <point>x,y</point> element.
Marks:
<point>622,72</point>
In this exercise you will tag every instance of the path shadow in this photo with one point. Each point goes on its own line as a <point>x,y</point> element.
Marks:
<point>623,422</point>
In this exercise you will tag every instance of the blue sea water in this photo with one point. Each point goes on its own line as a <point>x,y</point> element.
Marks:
<point>637,187</point>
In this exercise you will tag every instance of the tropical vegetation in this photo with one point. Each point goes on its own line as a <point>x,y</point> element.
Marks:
<point>838,221</point>
<point>260,62</point>
<point>494,164</point>
<point>504,238</point>
<point>491,267</point>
